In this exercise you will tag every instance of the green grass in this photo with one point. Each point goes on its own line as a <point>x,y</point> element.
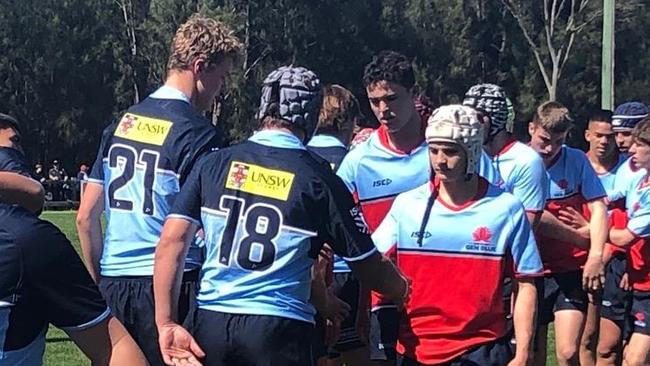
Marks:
<point>61,351</point>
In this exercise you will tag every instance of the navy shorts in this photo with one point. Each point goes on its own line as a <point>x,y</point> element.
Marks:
<point>616,302</point>
<point>252,340</point>
<point>640,314</point>
<point>562,291</point>
<point>131,301</point>
<point>384,330</point>
<point>496,353</point>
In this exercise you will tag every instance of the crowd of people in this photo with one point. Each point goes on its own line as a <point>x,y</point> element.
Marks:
<point>435,239</point>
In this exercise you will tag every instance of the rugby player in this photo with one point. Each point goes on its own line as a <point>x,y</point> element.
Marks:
<point>267,206</point>
<point>16,188</point>
<point>449,319</point>
<point>143,161</point>
<point>336,121</point>
<point>393,160</point>
<point>635,235</point>
<point>564,249</point>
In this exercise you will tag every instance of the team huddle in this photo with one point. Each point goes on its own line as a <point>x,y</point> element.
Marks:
<point>435,239</point>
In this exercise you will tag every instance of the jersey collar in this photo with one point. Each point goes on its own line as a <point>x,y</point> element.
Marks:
<point>275,138</point>
<point>325,141</point>
<point>509,144</point>
<point>382,135</point>
<point>168,92</point>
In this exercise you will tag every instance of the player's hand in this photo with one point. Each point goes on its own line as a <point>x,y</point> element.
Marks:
<point>336,309</point>
<point>593,275</point>
<point>178,347</point>
<point>332,332</point>
<point>572,217</point>
<point>519,360</point>
<point>625,283</point>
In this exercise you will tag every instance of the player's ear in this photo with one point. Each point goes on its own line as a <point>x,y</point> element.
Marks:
<point>198,66</point>
<point>531,128</point>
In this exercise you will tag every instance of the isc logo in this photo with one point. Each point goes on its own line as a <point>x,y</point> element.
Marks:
<point>381,182</point>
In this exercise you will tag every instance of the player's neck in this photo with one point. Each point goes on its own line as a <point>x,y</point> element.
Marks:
<point>603,164</point>
<point>460,192</point>
<point>184,82</point>
<point>498,142</point>
<point>409,137</point>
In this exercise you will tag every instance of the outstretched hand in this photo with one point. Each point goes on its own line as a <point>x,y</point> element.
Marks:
<point>178,347</point>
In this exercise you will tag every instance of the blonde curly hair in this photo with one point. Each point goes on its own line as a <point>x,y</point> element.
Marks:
<point>205,38</point>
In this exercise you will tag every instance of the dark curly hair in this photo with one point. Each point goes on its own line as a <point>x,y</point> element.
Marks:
<point>389,66</point>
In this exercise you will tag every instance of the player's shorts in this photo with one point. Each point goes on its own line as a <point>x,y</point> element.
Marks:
<point>246,340</point>
<point>616,302</point>
<point>640,314</point>
<point>496,353</point>
<point>384,330</point>
<point>131,301</point>
<point>562,291</point>
<point>346,288</point>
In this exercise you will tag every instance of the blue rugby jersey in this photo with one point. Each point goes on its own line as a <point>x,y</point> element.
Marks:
<point>572,182</point>
<point>523,174</point>
<point>458,267</point>
<point>142,162</point>
<point>333,150</point>
<point>42,281</point>
<point>267,206</point>
<point>625,174</point>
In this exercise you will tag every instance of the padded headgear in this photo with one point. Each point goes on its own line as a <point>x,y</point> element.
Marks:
<point>491,100</point>
<point>457,124</point>
<point>627,115</point>
<point>293,94</point>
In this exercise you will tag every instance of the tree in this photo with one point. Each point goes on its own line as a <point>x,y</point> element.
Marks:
<point>562,21</point>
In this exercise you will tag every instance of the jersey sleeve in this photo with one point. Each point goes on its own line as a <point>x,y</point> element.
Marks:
<point>591,186</point>
<point>523,248</point>
<point>12,160</point>
<point>385,237</point>
<point>639,223</point>
<point>531,186</point>
<point>66,292</point>
<point>97,171</point>
<point>187,205</point>
<point>344,226</point>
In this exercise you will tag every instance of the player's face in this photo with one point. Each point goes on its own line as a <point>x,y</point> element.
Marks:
<point>210,81</point>
<point>624,141</point>
<point>601,140</point>
<point>391,103</point>
<point>546,143</point>
<point>640,152</point>
<point>10,138</point>
<point>448,161</point>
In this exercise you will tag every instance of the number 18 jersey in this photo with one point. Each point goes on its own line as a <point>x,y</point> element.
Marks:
<point>143,160</point>
<point>267,206</point>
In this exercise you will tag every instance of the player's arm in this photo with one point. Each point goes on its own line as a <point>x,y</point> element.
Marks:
<point>380,274</point>
<point>621,237</point>
<point>20,190</point>
<point>524,315</point>
<point>108,343</point>
<point>553,228</point>
<point>593,276</point>
<point>89,227</point>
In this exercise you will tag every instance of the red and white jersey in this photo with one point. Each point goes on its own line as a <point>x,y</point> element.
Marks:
<point>523,173</point>
<point>376,173</point>
<point>637,203</point>
<point>572,183</point>
<point>626,174</point>
<point>457,270</point>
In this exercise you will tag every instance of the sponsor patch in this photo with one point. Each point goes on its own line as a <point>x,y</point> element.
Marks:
<point>143,129</point>
<point>260,181</point>
<point>359,220</point>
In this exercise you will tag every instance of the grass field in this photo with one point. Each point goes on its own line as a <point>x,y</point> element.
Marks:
<point>61,351</point>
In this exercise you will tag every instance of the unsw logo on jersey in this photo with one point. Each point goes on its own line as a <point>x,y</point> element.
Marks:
<point>481,241</point>
<point>357,215</point>
<point>260,181</point>
<point>143,129</point>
